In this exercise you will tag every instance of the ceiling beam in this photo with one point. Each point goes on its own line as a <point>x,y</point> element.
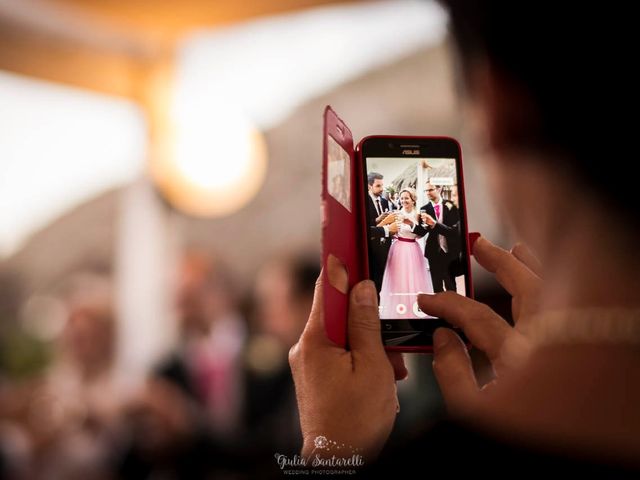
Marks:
<point>171,19</point>
<point>107,46</point>
<point>65,46</point>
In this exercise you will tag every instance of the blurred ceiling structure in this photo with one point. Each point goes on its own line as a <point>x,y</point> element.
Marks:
<point>131,50</point>
<point>172,18</point>
<point>108,46</point>
<point>165,75</point>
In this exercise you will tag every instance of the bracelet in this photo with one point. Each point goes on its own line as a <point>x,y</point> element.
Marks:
<point>616,325</point>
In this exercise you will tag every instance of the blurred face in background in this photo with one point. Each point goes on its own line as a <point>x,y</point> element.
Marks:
<point>89,337</point>
<point>281,313</point>
<point>454,195</point>
<point>201,296</point>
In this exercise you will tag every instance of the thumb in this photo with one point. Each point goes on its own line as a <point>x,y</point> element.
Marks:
<point>364,322</point>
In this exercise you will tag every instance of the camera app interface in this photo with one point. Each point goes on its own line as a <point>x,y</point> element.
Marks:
<point>414,232</point>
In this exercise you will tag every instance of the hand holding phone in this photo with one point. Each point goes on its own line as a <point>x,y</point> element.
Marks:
<point>426,173</point>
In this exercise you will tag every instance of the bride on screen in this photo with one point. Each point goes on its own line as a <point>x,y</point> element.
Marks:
<point>405,274</point>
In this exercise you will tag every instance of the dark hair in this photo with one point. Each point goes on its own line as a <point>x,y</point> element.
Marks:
<point>373,176</point>
<point>305,270</point>
<point>569,70</point>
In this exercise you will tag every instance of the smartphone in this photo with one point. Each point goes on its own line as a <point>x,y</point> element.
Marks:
<point>413,222</point>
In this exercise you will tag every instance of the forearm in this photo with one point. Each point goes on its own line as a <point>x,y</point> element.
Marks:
<point>379,232</point>
<point>442,229</point>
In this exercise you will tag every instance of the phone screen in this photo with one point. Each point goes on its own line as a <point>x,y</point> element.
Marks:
<point>416,231</point>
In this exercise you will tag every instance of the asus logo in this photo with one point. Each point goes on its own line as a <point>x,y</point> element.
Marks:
<point>411,152</point>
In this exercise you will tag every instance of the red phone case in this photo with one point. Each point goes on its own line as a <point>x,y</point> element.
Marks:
<point>344,232</point>
<point>341,236</point>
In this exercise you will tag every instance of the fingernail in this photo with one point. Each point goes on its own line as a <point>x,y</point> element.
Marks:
<point>424,298</point>
<point>481,239</point>
<point>440,338</point>
<point>365,294</point>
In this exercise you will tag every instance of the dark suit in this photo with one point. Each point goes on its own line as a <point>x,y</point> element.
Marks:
<point>442,264</point>
<point>378,243</point>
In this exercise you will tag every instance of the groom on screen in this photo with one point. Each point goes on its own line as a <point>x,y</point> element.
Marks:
<point>379,237</point>
<point>441,221</point>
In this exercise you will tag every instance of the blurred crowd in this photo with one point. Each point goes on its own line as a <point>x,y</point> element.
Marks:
<point>215,405</point>
<point>220,405</point>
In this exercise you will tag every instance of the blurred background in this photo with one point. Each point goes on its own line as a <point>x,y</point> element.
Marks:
<point>160,171</point>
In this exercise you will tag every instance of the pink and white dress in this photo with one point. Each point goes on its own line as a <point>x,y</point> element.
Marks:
<point>405,275</point>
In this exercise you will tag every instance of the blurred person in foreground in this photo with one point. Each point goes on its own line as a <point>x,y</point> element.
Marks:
<point>208,364</point>
<point>187,420</point>
<point>72,415</point>
<point>565,394</point>
<point>283,294</point>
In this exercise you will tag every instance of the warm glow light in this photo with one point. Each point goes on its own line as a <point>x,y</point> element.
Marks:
<point>215,161</point>
<point>213,149</point>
